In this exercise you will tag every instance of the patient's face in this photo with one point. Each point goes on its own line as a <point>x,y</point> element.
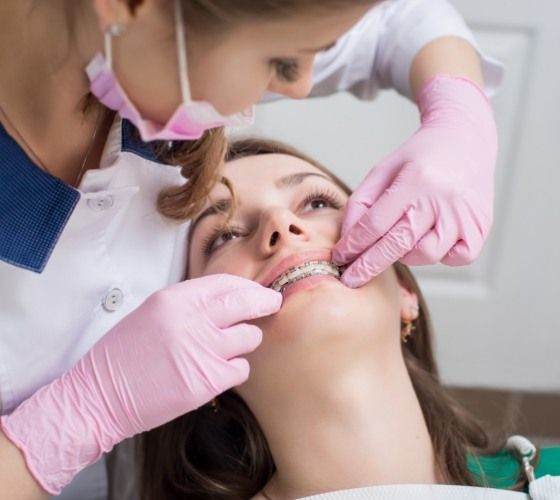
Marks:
<point>285,207</point>
<point>289,212</point>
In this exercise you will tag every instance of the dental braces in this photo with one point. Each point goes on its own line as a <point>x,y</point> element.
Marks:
<point>297,273</point>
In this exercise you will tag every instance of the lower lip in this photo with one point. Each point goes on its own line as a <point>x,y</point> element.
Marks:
<point>307,283</point>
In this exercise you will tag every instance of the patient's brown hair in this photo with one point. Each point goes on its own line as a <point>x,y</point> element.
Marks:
<point>223,454</point>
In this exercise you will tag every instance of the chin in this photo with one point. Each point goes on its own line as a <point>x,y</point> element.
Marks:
<point>321,333</point>
<point>321,309</point>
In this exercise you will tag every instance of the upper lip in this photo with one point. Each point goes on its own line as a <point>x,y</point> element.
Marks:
<point>293,260</point>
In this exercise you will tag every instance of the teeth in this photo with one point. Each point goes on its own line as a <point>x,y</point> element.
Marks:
<point>296,273</point>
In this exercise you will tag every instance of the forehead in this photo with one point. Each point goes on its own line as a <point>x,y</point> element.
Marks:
<point>321,24</point>
<point>253,174</point>
<point>267,166</point>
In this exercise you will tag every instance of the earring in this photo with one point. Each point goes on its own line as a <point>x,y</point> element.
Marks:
<point>115,29</point>
<point>406,330</point>
<point>214,405</point>
<point>407,327</point>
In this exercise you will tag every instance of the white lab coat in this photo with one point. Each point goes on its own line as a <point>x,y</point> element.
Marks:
<point>116,249</point>
<point>421,492</point>
<point>543,488</point>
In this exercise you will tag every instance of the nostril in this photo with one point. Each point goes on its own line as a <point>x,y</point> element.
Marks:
<point>274,238</point>
<point>294,229</point>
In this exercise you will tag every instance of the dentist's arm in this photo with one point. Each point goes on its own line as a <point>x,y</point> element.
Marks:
<point>15,478</point>
<point>175,352</point>
<point>450,55</point>
<point>432,199</point>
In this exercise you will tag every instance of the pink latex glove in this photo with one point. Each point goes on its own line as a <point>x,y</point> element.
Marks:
<point>432,199</point>
<point>174,353</point>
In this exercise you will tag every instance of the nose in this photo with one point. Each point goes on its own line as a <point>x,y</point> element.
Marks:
<point>281,227</point>
<point>299,88</point>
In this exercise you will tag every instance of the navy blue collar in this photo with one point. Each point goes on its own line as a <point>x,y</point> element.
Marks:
<point>35,206</point>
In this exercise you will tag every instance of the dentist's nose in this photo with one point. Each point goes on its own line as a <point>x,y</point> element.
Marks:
<point>280,227</point>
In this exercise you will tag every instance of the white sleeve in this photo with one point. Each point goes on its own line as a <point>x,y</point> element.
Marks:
<point>378,51</point>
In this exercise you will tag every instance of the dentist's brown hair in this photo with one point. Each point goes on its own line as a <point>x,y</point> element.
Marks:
<point>219,14</point>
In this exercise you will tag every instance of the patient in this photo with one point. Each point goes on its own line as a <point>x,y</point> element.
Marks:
<point>343,391</point>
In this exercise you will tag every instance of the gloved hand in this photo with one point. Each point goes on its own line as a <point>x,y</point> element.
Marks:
<point>174,353</point>
<point>432,199</point>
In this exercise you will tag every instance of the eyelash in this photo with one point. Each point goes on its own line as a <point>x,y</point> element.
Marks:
<point>328,196</point>
<point>286,69</point>
<point>208,243</point>
<point>325,195</point>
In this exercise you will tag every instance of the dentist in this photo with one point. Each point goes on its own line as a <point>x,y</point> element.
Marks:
<point>91,353</point>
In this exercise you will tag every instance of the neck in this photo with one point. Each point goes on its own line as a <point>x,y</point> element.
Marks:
<point>362,428</point>
<point>44,48</point>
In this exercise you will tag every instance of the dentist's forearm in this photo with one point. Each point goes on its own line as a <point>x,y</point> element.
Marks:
<point>450,55</point>
<point>16,481</point>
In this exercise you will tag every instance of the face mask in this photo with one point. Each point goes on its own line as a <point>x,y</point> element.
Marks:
<point>190,120</point>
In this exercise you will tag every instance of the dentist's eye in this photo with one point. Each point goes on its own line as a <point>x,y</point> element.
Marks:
<point>219,237</point>
<point>316,200</point>
<point>286,69</point>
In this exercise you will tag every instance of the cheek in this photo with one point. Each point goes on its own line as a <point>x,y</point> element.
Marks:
<point>338,225</point>
<point>231,266</point>
<point>329,227</point>
<point>235,262</point>
<point>231,86</point>
<point>385,293</point>
<point>387,285</point>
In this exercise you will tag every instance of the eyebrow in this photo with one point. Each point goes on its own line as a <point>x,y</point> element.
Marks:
<point>320,49</point>
<point>223,206</point>
<point>295,179</point>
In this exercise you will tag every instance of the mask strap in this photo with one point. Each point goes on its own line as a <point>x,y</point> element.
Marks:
<point>114,29</point>
<point>108,48</point>
<point>182,52</point>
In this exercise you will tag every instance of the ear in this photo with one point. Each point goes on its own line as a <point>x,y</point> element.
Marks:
<point>112,12</point>
<point>409,305</point>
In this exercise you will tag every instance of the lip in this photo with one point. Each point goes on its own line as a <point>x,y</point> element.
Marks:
<point>295,259</point>
<point>307,284</point>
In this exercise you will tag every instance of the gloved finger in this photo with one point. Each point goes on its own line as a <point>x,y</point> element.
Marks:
<point>375,223</point>
<point>433,246</point>
<point>378,220</point>
<point>463,253</point>
<point>393,246</point>
<point>237,340</point>
<point>370,190</point>
<point>469,244</point>
<point>235,372</point>
<point>353,213</point>
<point>243,305</point>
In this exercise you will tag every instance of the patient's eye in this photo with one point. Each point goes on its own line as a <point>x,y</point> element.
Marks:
<point>322,198</point>
<point>220,237</point>
<point>318,203</point>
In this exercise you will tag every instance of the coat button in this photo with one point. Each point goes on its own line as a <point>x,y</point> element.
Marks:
<point>101,203</point>
<point>113,300</point>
